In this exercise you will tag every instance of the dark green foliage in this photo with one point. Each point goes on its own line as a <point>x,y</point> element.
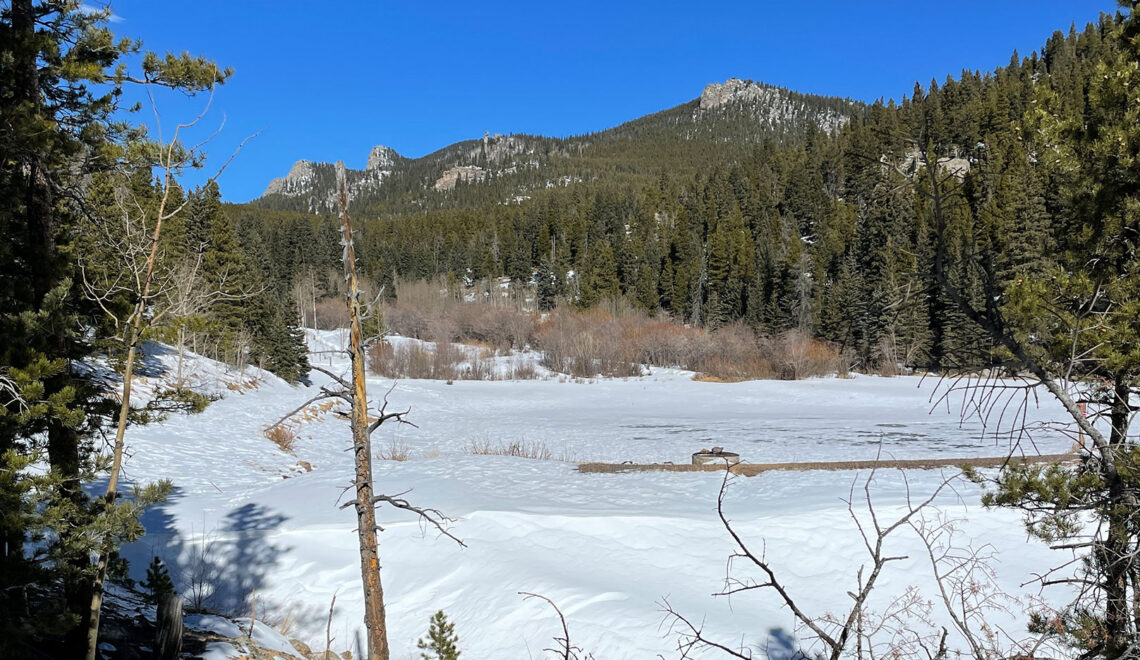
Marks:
<point>158,584</point>
<point>441,642</point>
<point>1041,254</point>
<point>546,283</point>
<point>278,342</point>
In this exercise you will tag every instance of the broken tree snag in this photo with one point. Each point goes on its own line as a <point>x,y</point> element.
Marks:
<point>362,447</point>
<point>168,635</point>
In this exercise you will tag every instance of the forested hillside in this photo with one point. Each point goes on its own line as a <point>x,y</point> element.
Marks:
<point>722,210</point>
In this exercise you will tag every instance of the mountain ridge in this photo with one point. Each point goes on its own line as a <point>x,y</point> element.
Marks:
<point>737,111</point>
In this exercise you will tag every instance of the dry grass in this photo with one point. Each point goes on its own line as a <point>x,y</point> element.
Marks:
<point>315,412</point>
<point>243,386</point>
<point>522,449</point>
<point>282,436</point>
<point>394,451</point>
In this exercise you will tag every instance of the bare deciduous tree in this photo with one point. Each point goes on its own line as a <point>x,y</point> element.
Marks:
<point>565,649</point>
<point>907,626</point>
<point>133,239</point>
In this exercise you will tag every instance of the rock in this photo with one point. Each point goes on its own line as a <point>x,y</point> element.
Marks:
<point>381,158</point>
<point>464,173</point>
<point>767,104</point>
<point>912,161</point>
<point>733,89</point>
<point>297,181</point>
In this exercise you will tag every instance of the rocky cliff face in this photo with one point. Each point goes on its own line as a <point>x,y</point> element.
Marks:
<point>767,104</point>
<point>313,184</point>
<point>464,173</point>
<point>381,158</point>
<point>298,181</point>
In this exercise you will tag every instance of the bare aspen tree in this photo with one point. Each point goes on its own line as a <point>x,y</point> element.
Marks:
<point>186,294</point>
<point>135,242</point>
<point>304,294</point>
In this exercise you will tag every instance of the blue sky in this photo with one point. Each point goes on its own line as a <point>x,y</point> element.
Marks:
<point>328,80</point>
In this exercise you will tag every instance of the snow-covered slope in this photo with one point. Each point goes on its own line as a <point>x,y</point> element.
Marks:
<point>248,520</point>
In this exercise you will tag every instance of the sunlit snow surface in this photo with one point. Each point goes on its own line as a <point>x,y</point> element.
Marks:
<point>607,548</point>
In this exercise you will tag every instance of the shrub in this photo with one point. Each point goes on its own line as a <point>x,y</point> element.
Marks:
<point>331,313</point>
<point>587,344</point>
<point>800,356</point>
<point>394,451</point>
<point>611,339</point>
<point>282,436</point>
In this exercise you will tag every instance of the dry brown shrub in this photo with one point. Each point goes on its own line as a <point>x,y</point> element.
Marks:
<point>331,313</point>
<point>498,326</point>
<point>888,357</point>
<point>800,356</point>
<point>612,340</point>
<point>476,369</point>
<point>523,370</point>
<point>588,343</point>
<point>407,320</point>
<point>394,451</point>
<point>282,436</point>
<point>413,361</point>
<point>421,307</point>
<point>667,344</point>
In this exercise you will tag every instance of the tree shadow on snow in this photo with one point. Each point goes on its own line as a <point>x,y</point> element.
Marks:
<point>149,365</point>
<point>782,645</point>
<point>216,569</point>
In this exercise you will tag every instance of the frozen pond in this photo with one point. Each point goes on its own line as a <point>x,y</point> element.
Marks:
<point>606,547</point>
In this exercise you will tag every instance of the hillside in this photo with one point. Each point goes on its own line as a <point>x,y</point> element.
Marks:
<point>723,124</point>
<point>750,204</point>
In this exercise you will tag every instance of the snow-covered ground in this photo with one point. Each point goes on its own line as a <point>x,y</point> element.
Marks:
<point>248,519</point>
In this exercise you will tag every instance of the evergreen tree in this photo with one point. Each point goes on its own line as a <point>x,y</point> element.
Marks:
<point>279,342</point>
<point>59,108</point>
<point>601,280</point>
<point>545,287</point>
<point>158,583</point>
<point>442,642</point>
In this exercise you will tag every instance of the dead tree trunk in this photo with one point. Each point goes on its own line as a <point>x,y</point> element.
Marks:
<point>354,393</point>
<point>362,449</point>
<point>168,636</point>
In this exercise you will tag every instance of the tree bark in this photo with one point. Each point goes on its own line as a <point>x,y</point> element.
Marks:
<point>374,618</point>
<point>134,334</point>
<point>181,351</point>
<point>1115,552</point>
